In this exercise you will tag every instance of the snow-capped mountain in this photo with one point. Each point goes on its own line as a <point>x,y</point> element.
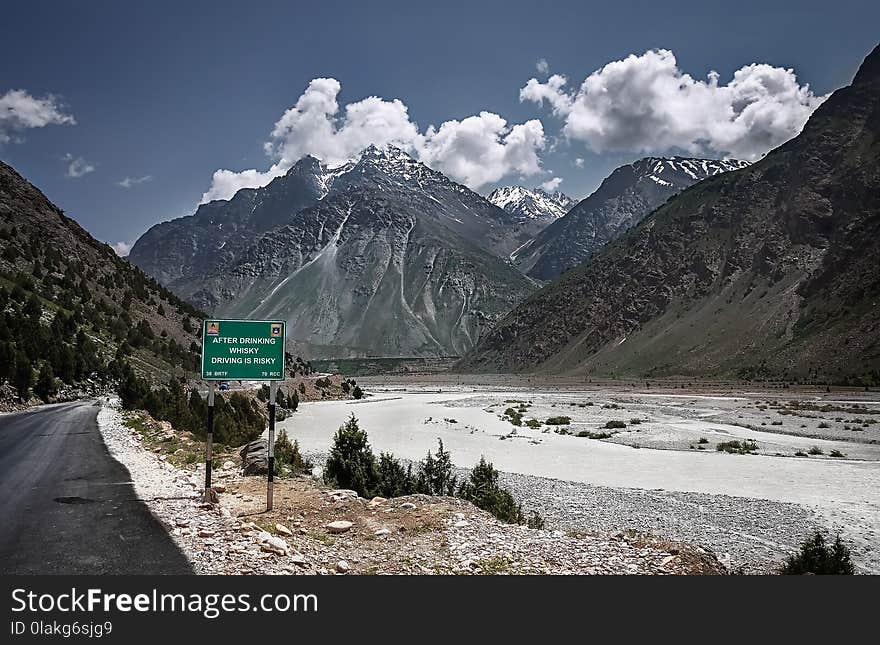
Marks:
<point>380,255</point>
<point>626,196</point>
<point>531,203</point>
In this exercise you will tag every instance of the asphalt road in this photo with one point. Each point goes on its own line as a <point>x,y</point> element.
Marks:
<point>68,507</point>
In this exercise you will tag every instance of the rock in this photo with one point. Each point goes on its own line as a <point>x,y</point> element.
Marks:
<point>460,524</point>
<point>263,536</point>
<point>206,533</point>
<point>255,457</point>
<point>376,501</point>
<point>343,567</point>
<point>219,488</point>
<point>277,544</point>
<point>339,526</point>
<point>381,532</point>
<point>283,530</point>
<point>667,560</point>
<point>342,492</point>
<point>408,505</point>
<point>228,465</point>
<point>299,559</point>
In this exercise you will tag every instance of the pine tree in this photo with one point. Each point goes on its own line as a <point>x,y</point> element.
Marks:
<point>23,377</point>
<point>46,385</point>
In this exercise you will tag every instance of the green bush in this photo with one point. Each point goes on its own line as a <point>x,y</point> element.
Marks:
<point>702,440</point>
<point>737,447</point>
<point>435,474</point>
<point>593,435</point>
<point>815,450</point>
<point>394,479</point>
<point>558,421</point>
<point>351,463</point>
<point>482,490</point>
<point>614,423</point>
<point>288,459</point>
<point>816,557</point>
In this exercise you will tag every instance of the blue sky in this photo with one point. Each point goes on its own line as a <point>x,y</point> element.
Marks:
<point>173,93</point>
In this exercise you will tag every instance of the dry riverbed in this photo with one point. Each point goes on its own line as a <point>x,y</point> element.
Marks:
<point>790,461</point>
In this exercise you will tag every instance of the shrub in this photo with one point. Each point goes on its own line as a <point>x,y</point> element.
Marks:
<point>593,435</point>
<point>288,455</point>
<point>703,440</point>
<point>357,392</point>
<point>837,453</point>
<point>482,490</point>
<point>824,425</point>
<point>558,421</point>
<point>533,423</point>
<point>615,424</point>
<point>635,421</point>
<point>737,447</point>
<point>816,557</point>
<point>435,474</point>
<point>351,463</point>
<point>394,479</point>
<point>815,450</point>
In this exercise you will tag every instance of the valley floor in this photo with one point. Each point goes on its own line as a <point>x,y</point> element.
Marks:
<point>663,474</point>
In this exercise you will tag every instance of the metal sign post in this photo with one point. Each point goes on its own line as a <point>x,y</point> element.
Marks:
<point>242,350</point>
<point>209,446</point>
<point>273,389</point>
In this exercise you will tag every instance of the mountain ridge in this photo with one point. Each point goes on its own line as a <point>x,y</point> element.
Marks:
<point>766,272</point>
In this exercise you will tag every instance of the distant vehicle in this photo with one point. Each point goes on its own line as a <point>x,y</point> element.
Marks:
<point>224,386</point>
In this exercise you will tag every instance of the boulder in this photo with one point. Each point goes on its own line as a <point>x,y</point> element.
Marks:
<point>255,457</point>
<point>339,526</point>
<point>283,530</point>
<point>343,567</point>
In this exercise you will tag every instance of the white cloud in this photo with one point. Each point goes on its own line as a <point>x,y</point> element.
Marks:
<point>647,104</point>
<point>77,166</point>
<point>543,66</point>
<point>551,184</point>
<point>482,149</point>
<point>128,182</point>
<point>579,162</point>
<point>476,150</point>
<point>122,248</point>
<point>20,111</point>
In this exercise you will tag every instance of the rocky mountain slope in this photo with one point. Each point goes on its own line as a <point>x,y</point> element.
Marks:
<point>622,200</point>
<point>533,208</point>
<point>768,271</point>
<point>70,306</point>
<point>381,255</point>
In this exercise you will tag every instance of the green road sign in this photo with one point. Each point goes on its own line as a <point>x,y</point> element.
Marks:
<point>247,350</point>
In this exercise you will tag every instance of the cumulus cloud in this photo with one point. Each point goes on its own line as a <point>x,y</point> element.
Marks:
<point>121,248</point>
<point>482,149</point>
<point>128,182</point>
<point>20,111</point>
<point>543,66</point>
<point>551,184</point>
<point>579,162</point>
<point>77,166</point>
<point>476,150</point>
<point>647,104</point>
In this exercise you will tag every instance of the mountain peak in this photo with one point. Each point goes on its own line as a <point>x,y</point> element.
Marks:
<point>869,70</point>
<point>531,203</point>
